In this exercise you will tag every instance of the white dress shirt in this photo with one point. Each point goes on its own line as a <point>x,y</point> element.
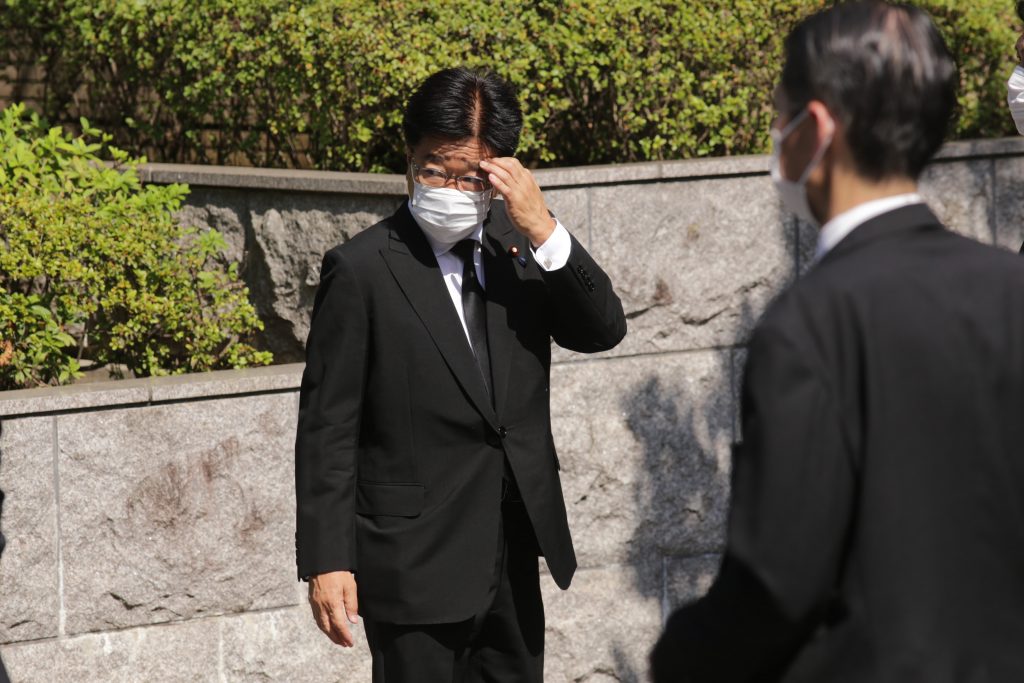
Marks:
<point>1015,97</point>
<point>833,232</point>
<point>551,255</point>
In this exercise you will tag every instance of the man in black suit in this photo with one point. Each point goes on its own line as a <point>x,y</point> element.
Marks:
<point>876,530</point>
<point>426,473</point>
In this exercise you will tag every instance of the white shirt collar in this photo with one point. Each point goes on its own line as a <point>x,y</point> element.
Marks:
<point>444,247</point>
<point>833,232</point>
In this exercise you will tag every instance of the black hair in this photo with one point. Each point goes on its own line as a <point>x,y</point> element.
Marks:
<point>885,72</point>
<point>1020,9</point>
<point>460,103</point>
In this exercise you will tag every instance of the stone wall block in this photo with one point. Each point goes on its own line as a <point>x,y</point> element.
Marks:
<point>177,511</point>
<point>291,233</point>
<point>960,194</point>
<point>28,569</point>
<point>644,446</point>
<point>223,209</point>
<point>572,209</point>
<point>286,645</point>
<point>694,262</point>
<point>181,653</point>
<point>1009,204</point>
<point>600,630</point>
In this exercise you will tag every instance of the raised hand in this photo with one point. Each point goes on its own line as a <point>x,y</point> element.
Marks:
<point>523,199</point>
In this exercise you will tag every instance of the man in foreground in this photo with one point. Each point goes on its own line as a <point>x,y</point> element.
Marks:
<point>426,474</point>
<point>876,530</point>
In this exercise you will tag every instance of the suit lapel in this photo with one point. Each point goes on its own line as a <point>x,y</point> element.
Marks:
<point>414,267</point>
<point>501,278</point>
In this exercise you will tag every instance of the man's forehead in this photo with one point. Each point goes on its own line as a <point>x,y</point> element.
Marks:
<point>470,150</point>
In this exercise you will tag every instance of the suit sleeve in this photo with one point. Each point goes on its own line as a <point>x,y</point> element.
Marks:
<point>791,509</point>
<point>587,315</point>
<point>330,406</point>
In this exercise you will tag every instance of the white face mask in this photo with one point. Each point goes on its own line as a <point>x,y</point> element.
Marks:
<point>446,214</point>
<point>794,193</point>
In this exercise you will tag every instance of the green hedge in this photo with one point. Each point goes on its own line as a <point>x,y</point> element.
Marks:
<point>322,83</point>
<point>93,267</point>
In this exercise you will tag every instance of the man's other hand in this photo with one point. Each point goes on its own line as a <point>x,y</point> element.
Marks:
<point>523,199</point>
<point>333,599</point>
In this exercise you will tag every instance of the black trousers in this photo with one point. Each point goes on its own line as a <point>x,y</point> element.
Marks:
<point>503,644</point>
<point>3,673</point>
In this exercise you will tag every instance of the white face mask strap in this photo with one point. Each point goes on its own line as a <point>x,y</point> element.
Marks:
<point>818,154</point>
<point>781,135</point>
<point>778,136</point>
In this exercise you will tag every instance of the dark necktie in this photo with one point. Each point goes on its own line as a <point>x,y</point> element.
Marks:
<point>474,307</point>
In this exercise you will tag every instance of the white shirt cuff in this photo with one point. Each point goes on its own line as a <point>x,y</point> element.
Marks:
<point>554,253</point>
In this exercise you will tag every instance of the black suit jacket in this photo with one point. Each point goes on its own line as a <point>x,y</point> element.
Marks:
<point>400,452</point>
<point>876,530</point>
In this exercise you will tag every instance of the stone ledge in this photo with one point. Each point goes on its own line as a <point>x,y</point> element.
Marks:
<point>150,390</point>
<point>969,149</point>
<point>379,184</point>
<point>289,180</point>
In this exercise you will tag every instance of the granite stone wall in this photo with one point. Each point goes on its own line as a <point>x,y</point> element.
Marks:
<point>150,522</point>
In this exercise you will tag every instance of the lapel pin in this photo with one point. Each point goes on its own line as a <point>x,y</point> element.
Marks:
<point>513,251</point>
<point>522,260</point>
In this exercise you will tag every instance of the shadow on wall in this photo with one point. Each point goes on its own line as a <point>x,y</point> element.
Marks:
<point>685,418</point>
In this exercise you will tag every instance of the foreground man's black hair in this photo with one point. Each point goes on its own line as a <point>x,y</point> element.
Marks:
<point>460,103</point>
<point>1020,9</point>
<point>885,72</point>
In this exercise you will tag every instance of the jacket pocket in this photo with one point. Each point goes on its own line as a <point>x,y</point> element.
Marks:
<point>394,500</point>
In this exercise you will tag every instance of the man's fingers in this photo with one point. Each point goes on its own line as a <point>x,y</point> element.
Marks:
<point>340,632</point>
<point>509,165</point>
<point>351,602</point>
<point>499,175</point>
<point>323,622</point>
<point>500,185</point>
<point>507,169</point>
<point>320,617</point>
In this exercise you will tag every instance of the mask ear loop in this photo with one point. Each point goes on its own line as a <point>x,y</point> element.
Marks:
<point>819,154</point>
<point>779,136</point>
